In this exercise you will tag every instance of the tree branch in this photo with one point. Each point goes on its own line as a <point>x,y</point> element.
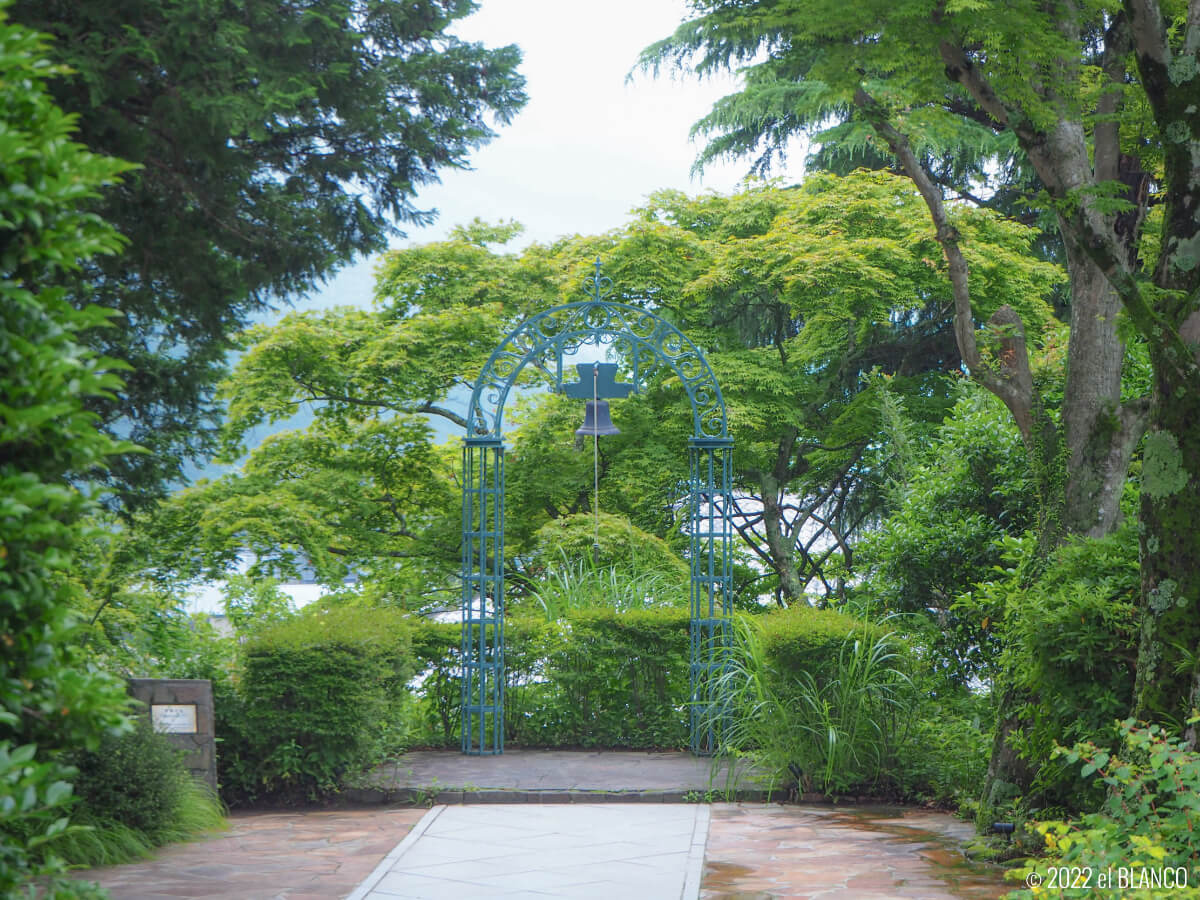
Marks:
<point>1014,383</point>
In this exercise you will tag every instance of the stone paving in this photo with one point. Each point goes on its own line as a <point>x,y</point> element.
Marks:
<point>756,852</point>
<point>750,851</point>
<point>541,851</point>
<point>538,776</point>
<point>263,856</point>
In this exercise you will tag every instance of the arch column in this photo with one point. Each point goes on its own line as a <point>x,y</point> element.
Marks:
<point>482,642</point>
<point>711,554</point>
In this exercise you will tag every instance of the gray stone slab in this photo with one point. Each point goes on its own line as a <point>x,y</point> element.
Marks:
<point>559,850</point>
<point>558,776</point>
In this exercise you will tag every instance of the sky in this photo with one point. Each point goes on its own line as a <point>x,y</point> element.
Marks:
<point>590,145</point>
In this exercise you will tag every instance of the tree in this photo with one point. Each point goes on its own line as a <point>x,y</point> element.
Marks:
<point>1099,101</point>
<point>961,498</point>
<point>49,699</point>
<point>806,334</point>
<point>364,489</point>
<point>275,142</point>
<point>815,303</point>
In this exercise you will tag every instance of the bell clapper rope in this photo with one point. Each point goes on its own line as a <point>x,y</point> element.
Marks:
<point>595,470</point>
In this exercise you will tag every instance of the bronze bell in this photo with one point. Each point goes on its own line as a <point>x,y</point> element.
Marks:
<point>596,420</point>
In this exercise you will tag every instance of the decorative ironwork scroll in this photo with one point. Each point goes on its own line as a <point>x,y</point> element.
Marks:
<point>647,347</point>
<point>646,344</point>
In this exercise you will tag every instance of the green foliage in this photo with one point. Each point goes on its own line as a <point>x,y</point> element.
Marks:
<point>104,841</point>
<point>277,143</point>
<point>630,570</point>
<point>801,330</point>
<point>595,678</point>
<point>571,539</point>
<point>50,698</point>
<point>311,702</point>
<point>805,639</point>
<point>1071,647</point>
<point>134,794</point>
<point>956,505</point>
<point>136,779</point>
<point>943,757</point>
<point>1145,828</point>
<point>612,679</point>
<point>252,604</point>
<point>816,696</point>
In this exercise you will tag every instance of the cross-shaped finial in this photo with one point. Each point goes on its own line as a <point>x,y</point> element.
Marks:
<point>597,286</point>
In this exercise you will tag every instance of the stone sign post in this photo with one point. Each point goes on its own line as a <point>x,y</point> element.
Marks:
<point>182,709</point>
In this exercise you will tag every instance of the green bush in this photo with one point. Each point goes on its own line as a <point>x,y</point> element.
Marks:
<point>944,755</point>
<point>314,699</point>
<point>134,793</point>
<point>1071,648</point>
<point>622,544</point>
<point>608,679</point>
<point>1145,829</point>
<point>815,698</point>
<point>598,678</point>
<point>137,779</point>
<point>50,699</point>
<point>806,639</point>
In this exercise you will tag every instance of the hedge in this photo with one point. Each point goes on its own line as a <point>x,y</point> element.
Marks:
<point>595,679</point>
<point>313,699</point>
<point>806,639</point>
<point>600,678</point>
<point>329,691</point>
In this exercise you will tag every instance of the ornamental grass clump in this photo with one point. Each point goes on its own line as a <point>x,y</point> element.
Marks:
<point>134,794</point>
<point>828,719</point>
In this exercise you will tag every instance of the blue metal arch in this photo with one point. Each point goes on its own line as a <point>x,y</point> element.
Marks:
<point>647,344</point>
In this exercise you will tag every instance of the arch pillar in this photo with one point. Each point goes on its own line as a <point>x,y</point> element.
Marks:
<point>711,551</point>
<point>482,641</point>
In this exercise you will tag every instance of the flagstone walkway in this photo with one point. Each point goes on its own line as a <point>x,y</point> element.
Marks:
<point>631,851</point>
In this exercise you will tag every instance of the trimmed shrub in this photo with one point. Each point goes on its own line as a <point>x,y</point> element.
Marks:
<point>598,678</point>
<point>622,544</point>
<point>313,701</point>
<point>610,680</point>
<point>806,639</point>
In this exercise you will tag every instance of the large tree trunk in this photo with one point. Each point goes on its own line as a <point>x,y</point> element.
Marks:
<point>1079,465</point>
<point>1168,666</point>
<point>1098,447</point>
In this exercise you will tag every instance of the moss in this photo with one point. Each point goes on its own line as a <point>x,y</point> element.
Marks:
<point>1163,473</point>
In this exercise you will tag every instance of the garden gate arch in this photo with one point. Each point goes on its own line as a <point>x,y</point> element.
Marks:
<point>646,343</point>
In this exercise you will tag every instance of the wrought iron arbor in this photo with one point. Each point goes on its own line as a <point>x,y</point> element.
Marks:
<point>646,344</point>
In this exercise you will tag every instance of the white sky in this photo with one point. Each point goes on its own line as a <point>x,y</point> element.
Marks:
<point>589,145</point>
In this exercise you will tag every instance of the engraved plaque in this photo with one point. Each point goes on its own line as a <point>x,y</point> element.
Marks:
<point>173,718</point>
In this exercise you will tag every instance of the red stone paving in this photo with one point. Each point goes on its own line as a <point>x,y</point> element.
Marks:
<point>314,855</point>
<point>763,852</point>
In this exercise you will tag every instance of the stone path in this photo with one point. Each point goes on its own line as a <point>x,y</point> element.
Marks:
<point>635,851</point>
<point>536,852</point>
<point>758,851</point>
<point>290,856</point>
